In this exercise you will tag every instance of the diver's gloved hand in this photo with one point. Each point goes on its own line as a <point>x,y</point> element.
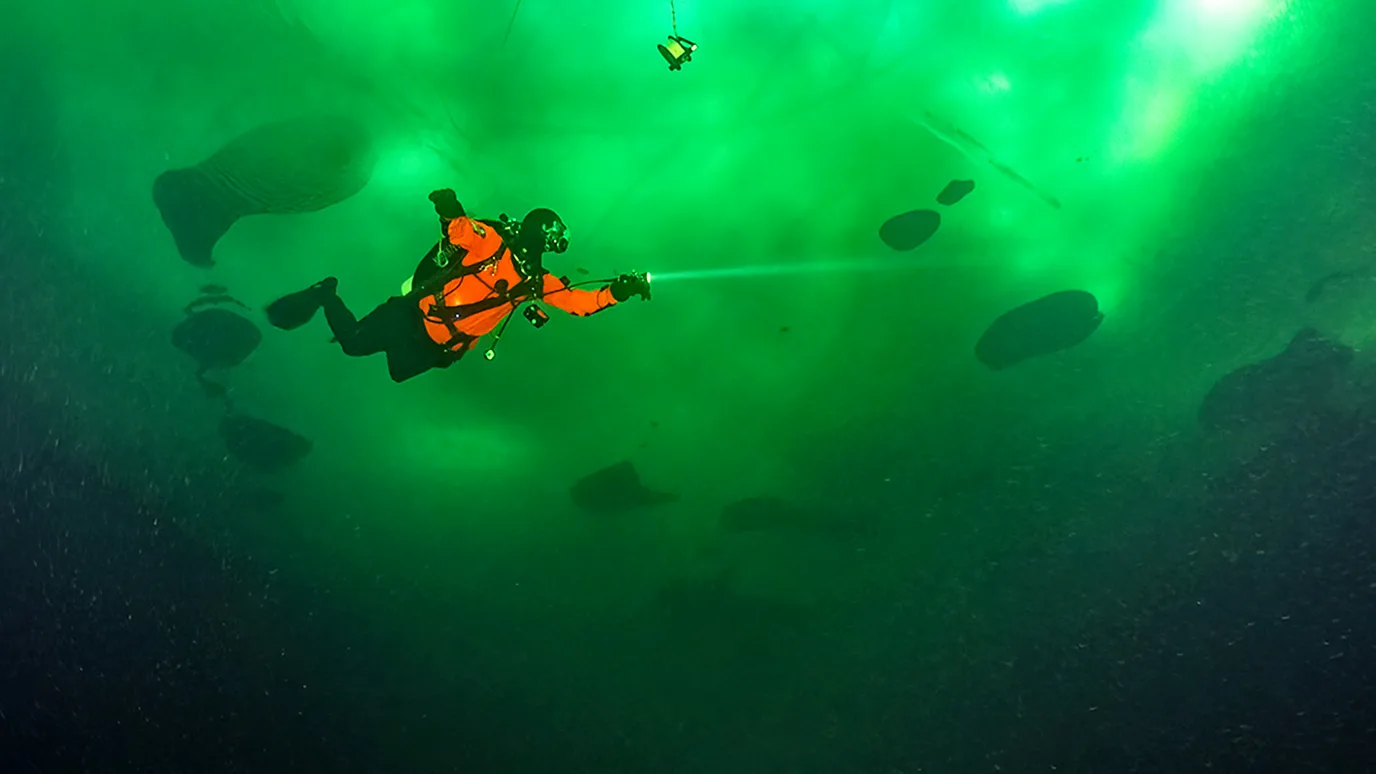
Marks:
<point>628,285</point>
<point>446,204</point>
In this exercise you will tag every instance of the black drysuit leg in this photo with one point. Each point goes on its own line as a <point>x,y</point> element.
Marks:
<point>395,327</point>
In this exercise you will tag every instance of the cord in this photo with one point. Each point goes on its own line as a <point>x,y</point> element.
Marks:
<point>511,23</point>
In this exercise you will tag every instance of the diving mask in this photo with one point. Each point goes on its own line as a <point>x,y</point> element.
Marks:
<point>556,237</point>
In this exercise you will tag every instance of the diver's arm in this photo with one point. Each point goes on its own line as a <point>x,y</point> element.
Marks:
<point>456,227</point>
<point>447,204</point>
<point>449,210</point>
<point>576,301</point>
<point>466,233</point>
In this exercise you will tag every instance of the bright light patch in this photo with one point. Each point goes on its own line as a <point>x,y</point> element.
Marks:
<point>1235,9</point>
<point>1109,294</point>
<point>995,84</point>
<point>407,166</point>
<point>1029,7</point>
<point>1151,120</point>
<point>1213,34</point>
<point>1189,43</point>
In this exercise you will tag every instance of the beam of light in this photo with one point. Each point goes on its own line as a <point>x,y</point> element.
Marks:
<point>789,269</point>
<point>1209,35</point>
<point>1187,45</point>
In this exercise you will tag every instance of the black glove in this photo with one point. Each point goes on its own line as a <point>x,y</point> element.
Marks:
<point>628,285</point>
<point>446,204</point>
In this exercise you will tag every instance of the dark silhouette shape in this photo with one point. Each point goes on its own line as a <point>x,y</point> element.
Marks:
<point>262,444</point>
<point>1284,388</point>
<point>212,300</point>
<point>910,230</point>
<point>1338,280</point>
<point>1049,324</point>
<point>295,166</point>
<point>955,191</point>
<point>974,150</point>
<point>216,338</point>
<point>616,488</point>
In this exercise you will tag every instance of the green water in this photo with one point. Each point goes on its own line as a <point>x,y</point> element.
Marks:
<point>1200,151</point>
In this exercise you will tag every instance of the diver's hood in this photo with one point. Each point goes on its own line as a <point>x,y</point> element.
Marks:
<point>543,231</point>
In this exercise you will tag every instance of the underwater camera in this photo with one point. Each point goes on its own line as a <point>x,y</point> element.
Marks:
<point>677,51</point>
<point>536,316</point>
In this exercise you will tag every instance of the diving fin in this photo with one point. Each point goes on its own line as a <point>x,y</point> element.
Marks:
<point>296,309</point>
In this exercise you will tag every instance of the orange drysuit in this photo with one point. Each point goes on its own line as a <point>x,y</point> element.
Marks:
<point>489,287</point>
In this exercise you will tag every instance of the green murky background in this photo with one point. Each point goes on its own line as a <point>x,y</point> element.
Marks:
<point>1211,162</point>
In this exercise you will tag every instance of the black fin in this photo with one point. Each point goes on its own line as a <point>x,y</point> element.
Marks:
<point>296,309</point>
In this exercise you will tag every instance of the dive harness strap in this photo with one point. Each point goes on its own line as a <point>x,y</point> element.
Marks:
<point>449,263</point>
<point>453,269</point>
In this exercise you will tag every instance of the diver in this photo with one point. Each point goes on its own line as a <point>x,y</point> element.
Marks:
<point>478,273</point>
